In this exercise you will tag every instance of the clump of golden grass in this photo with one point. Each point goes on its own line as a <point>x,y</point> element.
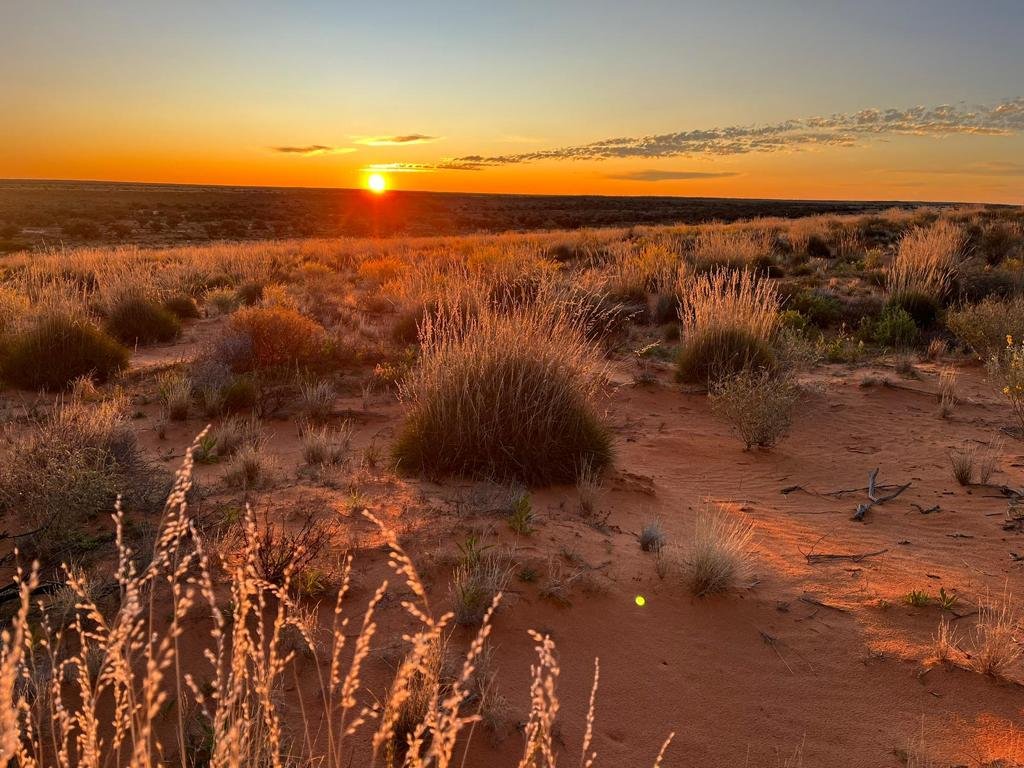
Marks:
<point>504,394</point>
<point>325,444</point>
<point>947,392</point>
<point>758,405</point>
<point>946,642</point>
<point>174,389</point>
<point>250,467</point>
<point>716,247</point>
<point>639,269</point>
<point>988,459</point>
<point>278,337</point>
<point>720,550</point>
<point>925,263</point>
<point>729,320</point>
<point>106,699</point>
<point>997,640</point>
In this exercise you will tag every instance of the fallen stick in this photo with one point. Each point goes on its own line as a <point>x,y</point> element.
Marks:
<point>830,556</point>
<point>874,498</point>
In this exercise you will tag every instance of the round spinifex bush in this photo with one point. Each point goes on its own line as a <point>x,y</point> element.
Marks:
<point>505,396</point>
<point>58,349</point>
<point>726,351</point>
<point>729,320</point>
<point>142,321</point>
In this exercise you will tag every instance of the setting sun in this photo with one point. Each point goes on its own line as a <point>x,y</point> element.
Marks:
<point>376,183</point>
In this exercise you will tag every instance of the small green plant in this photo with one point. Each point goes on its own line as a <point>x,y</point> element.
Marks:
<point>917,598</point>
<point>946,599</point>
<point>896,328</point>
<point>521,516</point>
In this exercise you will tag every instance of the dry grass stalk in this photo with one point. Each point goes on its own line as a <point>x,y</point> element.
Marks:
<point>997,640</point>
<point>720,552</point>
<point>962,460</point>
<point>947,391</point>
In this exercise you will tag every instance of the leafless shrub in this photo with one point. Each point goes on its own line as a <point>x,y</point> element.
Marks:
<point>280,552</point>
<point>757,404</point>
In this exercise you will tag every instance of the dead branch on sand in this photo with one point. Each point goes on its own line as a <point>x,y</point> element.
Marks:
<point>873,498</point>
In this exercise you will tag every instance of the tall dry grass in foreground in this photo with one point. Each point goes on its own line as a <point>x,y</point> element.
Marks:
<point>118,689</point>
<point>729,320</point>
<point>504,394</point>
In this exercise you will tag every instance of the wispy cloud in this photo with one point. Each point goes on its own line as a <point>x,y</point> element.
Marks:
<point>396,141</point>
<point>311,150</point>
<point>445,165</point>
<point>843,130</point>
<point>656,175</point>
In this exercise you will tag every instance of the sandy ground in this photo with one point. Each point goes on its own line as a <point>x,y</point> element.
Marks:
<point>824,656</point>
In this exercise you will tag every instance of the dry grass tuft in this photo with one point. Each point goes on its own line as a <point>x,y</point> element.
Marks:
<point>729,322</point>
<point>920,275</point>
<point>719,555</point>
<point>996,644</point>
<point>504,395</point>
<point>962,460</point>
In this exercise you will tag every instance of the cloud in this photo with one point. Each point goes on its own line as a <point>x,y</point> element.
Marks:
<point>445,165</point>
<point>838,130</point>
<point>396,141</point>
<point>656,175</point>
<point>311,150</point>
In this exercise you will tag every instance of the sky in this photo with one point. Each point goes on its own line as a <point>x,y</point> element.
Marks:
<point>909,100</point>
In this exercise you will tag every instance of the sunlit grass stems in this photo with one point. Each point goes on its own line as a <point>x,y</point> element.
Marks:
<point>121,687</point>
<point>920,275</point>
<point>504,395</point>
<point>729,321</point>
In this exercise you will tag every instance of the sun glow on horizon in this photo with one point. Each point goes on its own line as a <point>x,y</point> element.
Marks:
<point>376,183</point>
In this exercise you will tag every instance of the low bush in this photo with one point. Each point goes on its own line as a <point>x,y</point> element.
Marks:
<point>278,337</point>
<point>182,307</point>
<point>64,475</point>
<point>985,326</point>
<point>895,328</point>
<point>56,350</point>
<point>758,406</point>
<point>505,396</point>
<point>142,321</point>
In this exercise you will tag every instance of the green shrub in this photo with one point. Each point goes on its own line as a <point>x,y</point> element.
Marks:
<point>896,328</point>
<point>921,307</point>
<point>141,321</point>
<point>57,350</point>
<point>985,326</point>
<point>820,309</point>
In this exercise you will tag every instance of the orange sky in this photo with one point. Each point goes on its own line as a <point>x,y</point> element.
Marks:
<point>698,101</point>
